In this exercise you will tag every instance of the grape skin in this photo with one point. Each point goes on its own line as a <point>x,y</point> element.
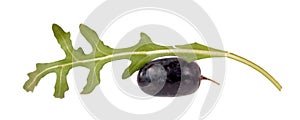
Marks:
<point>169,77</point>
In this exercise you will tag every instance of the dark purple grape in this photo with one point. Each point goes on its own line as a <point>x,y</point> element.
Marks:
<point>169,77</point>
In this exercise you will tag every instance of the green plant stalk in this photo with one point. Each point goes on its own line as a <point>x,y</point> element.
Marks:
<point>256,67</point>
<point>140,54</point>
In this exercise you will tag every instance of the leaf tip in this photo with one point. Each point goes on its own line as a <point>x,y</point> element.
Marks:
<point>87,90</point>
<point>126,74</point>
<point>56,27</point>
<point>84,92</point>
<point>145,38</point>
<point>59,94</point>
<point>144,35</point>
<point>58,31</point>
<point>82,26</point>
<point>27,89</point>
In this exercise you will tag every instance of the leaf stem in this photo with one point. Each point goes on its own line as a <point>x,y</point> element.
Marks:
<point>256,67</point>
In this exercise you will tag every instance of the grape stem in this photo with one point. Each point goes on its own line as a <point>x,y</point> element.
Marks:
<point>256,67</point>
<point>205,78</point>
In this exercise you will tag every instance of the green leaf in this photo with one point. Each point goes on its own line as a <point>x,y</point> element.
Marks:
<point>93,79</point>
<point>61,85</point>
<point>64,40</point>
<point>139,55</point>
<point>92,37</point>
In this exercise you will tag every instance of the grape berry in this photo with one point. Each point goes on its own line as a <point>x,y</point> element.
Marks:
<point>170,77</point>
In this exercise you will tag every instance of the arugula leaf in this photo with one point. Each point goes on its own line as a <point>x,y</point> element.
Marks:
<point>140,54</point>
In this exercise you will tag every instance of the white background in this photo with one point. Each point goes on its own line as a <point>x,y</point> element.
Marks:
<point>265,31</point>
